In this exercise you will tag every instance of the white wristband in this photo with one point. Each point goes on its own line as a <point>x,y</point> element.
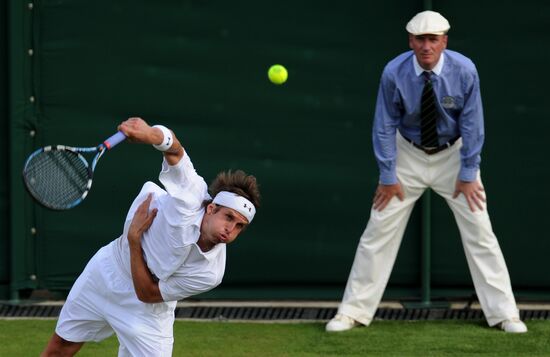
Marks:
<point>167,141</point>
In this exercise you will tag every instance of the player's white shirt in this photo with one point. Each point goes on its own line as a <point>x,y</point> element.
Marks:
<point>169,245</point>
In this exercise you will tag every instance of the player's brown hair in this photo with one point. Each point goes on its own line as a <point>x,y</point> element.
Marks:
<point>237,182</point>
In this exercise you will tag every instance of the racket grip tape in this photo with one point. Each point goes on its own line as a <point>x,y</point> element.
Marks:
<point>114,140</point>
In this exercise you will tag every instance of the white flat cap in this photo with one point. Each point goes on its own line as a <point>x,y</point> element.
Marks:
<point>428,22</point>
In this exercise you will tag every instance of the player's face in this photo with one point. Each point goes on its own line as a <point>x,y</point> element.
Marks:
<point>428,49</point>
<point>222,224</point>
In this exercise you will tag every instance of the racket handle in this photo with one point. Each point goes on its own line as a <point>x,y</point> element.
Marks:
<point>114,140</point>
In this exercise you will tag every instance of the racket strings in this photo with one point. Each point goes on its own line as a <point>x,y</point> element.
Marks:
<point>58,178</point>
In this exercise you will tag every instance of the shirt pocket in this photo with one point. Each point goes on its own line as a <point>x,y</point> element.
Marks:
<point>452,105</point>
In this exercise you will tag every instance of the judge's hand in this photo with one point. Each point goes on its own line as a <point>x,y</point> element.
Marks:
<point>473,192</point>
<point>384,193</point>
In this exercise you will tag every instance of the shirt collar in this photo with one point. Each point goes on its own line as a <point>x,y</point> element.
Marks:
<point>437,69</point>
<point>212,253</point>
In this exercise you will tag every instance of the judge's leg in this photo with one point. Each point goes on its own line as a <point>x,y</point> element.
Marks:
<point>379,244</point>
<point>483,254</point>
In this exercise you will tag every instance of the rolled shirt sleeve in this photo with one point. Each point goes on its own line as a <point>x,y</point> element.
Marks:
<point>386,120</point>
<point>471,125</point>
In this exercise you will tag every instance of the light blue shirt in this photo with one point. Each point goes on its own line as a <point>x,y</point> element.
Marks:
<point>456,86</point>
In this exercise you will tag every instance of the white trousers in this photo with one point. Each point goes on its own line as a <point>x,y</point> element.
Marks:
<point>102,301</point>
<point>378,246</point>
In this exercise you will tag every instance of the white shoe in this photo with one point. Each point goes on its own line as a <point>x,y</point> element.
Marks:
<point>514,325</point>
<point>341,323</point>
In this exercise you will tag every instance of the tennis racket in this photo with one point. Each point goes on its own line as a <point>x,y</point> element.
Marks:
<point>59,177</point>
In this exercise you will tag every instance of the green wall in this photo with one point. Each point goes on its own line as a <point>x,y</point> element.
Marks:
<point>511,48</point>
<point>4,155</point>
<point>200,67</point>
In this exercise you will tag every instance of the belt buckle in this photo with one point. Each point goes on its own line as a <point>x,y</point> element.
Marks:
<point>430,150</point>
<point>435,150</point>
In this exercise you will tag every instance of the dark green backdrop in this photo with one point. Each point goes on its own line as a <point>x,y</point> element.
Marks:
<point>200,67</point>
<point>4,157</point>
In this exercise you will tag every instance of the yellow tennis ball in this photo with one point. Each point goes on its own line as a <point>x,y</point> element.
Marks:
<point>277,74</point>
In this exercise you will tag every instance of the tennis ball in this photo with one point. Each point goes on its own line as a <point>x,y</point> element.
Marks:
<point>277,74</point>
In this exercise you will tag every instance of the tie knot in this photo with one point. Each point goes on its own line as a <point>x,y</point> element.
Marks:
<point>427,75</point>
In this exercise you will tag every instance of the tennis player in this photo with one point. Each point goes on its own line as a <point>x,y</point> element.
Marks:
<point>173,246</point>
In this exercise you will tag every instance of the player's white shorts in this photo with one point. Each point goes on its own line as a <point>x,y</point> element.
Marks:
<point>103,301</point>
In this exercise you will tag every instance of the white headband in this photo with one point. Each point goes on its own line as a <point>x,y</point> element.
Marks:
<point>236,202</point>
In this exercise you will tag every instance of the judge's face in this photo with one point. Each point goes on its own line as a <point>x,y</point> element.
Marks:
<point>428,49</point>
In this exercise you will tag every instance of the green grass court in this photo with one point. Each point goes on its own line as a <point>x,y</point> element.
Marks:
<point>383,338</point>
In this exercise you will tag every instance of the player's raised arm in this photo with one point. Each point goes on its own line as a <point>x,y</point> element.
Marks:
<point>163,139</point>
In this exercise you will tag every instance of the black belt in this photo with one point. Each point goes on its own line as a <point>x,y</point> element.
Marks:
<point>433,150</point>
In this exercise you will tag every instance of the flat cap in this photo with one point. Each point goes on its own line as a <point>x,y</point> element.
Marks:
<point>428,22</point>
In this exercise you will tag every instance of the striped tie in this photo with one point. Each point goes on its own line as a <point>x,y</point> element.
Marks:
<point>428,114</point>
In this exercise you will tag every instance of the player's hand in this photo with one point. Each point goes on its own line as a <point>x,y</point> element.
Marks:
<point>138,131</point>
<point>143,218</point>
<point>384,193</point>
<point>473,192</point>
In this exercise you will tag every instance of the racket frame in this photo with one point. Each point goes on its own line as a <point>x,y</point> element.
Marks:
<point>100,149</point>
